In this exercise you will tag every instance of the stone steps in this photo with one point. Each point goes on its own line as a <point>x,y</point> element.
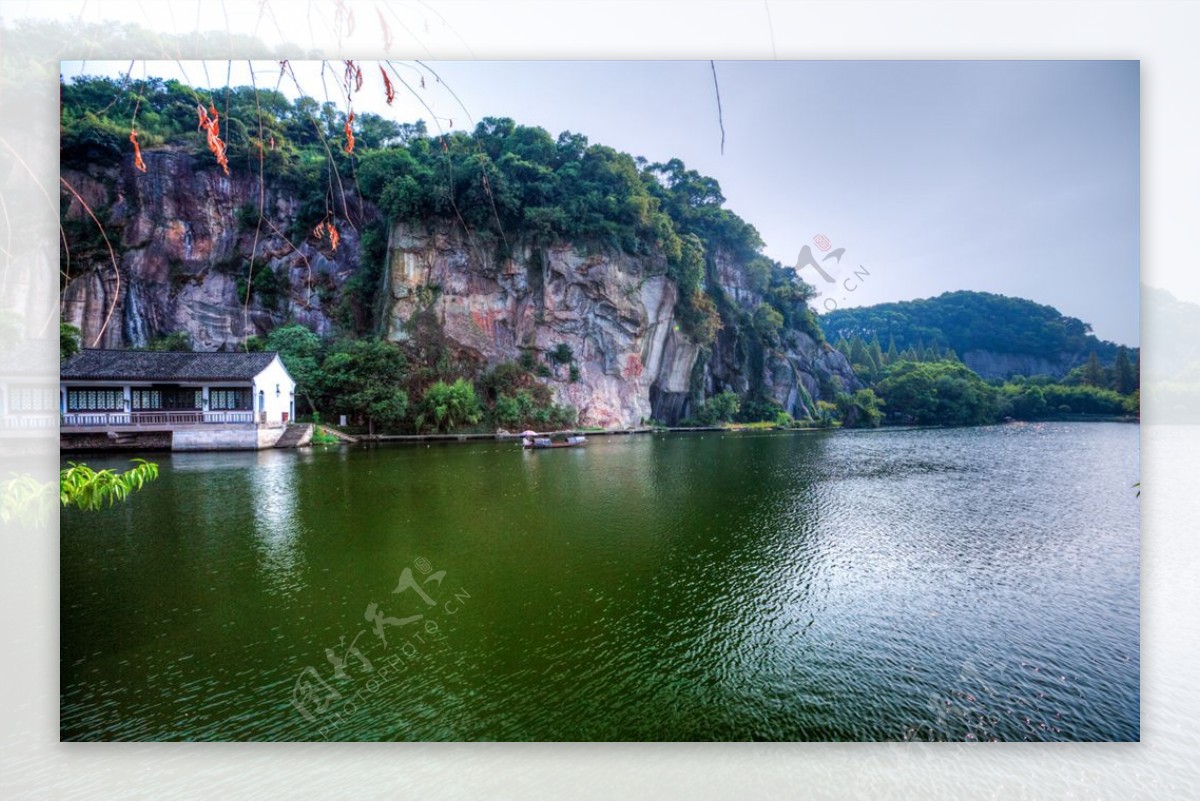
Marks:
<point>296,434</point>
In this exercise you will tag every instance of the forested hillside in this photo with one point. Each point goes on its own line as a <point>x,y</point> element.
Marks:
<point>995,335</point>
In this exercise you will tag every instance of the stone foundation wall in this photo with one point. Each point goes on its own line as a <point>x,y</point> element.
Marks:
<point>218,439</point>
<point>126,441</point>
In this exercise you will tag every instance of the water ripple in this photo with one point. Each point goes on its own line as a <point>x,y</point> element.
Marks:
<point>963,584</point>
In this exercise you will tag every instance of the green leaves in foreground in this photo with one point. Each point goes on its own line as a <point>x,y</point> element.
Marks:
<point>88,489</point>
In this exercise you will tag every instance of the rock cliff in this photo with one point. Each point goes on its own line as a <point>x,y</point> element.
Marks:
<point>616,313</point>
<point>184,239</point>
<point>994,365</point>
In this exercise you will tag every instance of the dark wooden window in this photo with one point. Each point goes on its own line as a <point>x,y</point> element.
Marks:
<point>146,399</point>
<point>229,398</point>
<point>95,399</point>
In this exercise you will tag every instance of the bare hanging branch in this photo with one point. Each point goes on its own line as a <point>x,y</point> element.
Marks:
<point>112,256</point>
<point>720,117</point>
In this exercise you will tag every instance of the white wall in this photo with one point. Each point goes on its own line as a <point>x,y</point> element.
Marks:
<point>272,378</point>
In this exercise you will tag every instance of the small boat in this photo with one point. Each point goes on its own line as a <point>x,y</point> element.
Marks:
<point>539,441</point>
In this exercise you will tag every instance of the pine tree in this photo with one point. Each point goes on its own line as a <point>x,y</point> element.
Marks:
<point>1124,379</point>
<point>920,352</point>
<point>859,355</point>
<point>892,353</point>
<point>1093,372</point>
<point>951,356</point>
<point>876,353</point>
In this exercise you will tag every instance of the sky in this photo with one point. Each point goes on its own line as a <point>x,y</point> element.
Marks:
<point>1014,177</point>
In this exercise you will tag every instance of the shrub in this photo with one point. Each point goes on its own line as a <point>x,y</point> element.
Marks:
<point>721,408</point>
<point>450,406</point>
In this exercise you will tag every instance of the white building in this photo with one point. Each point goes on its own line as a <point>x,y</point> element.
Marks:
<point>205,400</point>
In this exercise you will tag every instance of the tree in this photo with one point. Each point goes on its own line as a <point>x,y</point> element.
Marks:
<point>721,408</point>
<point>860,359</point>
<point>1093,371</point>
<point>376,132</point>
<point>300,351</point>
<point>1083,399</point>
<point>972,321</point>
<point>1026,402</point>
<point>947,393</point>
<point>513,410</point>
<point>1133,403</point>
<point>876,353</point>
<point>767,322</point>
<point>561,354</point>
<point>452,405</point>
<point>68,340</point>
<point>1124,377</point>
<point>827,412</point>
<point>860,410</point>
<point>363,379</point>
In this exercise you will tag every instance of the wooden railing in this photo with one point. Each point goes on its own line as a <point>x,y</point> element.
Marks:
<point>166,417</point>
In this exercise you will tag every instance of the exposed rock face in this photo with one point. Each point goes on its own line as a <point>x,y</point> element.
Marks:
<point>182,241</point>
<point>790,374</point>
<point>993,365</point>
<point>184,235</point>
<point>614,311</point>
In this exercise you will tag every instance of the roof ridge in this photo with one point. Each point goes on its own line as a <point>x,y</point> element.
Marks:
<point>117,363</point>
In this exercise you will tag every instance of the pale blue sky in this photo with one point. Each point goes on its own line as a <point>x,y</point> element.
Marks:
<point>1016,177</point>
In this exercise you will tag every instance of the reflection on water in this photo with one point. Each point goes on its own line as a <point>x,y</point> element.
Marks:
<point>275,526</point>
<point>941,584</point>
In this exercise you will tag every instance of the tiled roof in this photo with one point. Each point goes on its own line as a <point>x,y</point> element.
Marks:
<point>97,364</point>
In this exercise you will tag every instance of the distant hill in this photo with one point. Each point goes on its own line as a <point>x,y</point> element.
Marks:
<point>995,335</point>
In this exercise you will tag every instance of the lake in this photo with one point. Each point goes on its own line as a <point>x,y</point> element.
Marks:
<point>935,584</point>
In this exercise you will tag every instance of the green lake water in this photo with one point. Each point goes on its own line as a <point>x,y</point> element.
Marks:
<point>961,584</point>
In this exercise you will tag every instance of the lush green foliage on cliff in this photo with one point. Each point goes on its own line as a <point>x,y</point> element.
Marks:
<point>967,321</point>
<point>501,182</point>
